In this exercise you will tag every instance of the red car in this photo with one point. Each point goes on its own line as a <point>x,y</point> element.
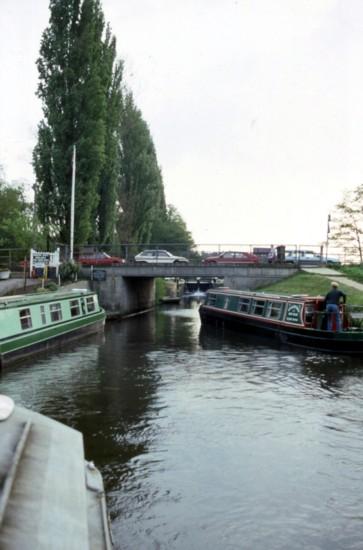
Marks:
<point>232,258</point>
<point>100,258</point>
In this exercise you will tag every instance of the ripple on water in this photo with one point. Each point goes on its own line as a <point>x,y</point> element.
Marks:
<point>208,440</point>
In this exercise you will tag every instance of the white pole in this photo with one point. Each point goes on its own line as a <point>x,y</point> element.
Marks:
<point>327,238</point>
<point>72,201</point>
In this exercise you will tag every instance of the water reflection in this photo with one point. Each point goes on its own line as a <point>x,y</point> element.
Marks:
<point>209,440</point>
<point>52,383</point>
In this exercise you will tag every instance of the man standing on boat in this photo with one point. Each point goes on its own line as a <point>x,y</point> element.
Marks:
<point>332,301</point>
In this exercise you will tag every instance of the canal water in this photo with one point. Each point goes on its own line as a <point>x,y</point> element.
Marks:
<point>209,441</point>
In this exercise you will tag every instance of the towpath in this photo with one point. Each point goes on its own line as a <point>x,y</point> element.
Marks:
<point>328,272</point>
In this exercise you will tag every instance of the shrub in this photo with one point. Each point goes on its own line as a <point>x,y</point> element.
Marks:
<point>160,289</point>
<point>68,271</point>
<point>52,286</point>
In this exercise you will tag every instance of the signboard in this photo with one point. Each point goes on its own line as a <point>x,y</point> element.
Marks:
<point>40,260</point>
<point>99,275</point>
<point>293,313</point>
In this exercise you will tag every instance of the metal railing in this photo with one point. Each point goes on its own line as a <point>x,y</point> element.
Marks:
<point>15,258</point>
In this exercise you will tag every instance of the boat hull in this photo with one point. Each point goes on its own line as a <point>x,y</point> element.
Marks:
<point>321,340</point>
<point>23,346</point>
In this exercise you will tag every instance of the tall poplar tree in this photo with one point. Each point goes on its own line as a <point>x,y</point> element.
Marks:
<point>118,181</point>
<point>77,85</point>
<point>107,213</point>
<point>142,192</point>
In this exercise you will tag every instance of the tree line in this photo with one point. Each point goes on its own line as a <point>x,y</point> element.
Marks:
<point>119,185</point>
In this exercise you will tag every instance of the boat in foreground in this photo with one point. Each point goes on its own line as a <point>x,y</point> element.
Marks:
<point>50,497</point>
<point>298,320</point>
<point>33,322</point>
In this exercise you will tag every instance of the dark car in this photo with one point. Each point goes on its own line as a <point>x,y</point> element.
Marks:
<point>100,258</point>
<point>232,258</point>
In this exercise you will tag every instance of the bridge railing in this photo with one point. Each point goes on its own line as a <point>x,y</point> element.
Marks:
<point>292,253</point>
<point>15,258</point>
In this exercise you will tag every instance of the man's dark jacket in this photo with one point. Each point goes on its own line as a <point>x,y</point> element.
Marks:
<point>333,297</point>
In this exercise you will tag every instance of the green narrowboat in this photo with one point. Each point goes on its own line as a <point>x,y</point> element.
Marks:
<point>30,323</point>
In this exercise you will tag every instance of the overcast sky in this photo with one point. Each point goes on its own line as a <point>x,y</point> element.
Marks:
<point>255,106</point>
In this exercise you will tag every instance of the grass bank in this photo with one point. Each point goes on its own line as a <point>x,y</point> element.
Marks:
<point>354,272</point>
<point>314,285</point>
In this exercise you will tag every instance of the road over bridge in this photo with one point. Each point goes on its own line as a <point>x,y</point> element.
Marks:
<point>130,288</point>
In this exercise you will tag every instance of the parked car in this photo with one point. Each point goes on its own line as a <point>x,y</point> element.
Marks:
<point>100,258</point>
<point>308,257</point>
<point>232,258</point>
<point>159,257</point>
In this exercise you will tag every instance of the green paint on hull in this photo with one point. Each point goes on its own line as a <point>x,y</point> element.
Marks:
<point>21,341</point>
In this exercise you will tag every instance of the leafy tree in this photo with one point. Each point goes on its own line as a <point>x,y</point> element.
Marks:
<point>347,228</point>
<point>77,84</point>
<point>170,229</point>
<point>142,193</point>
<point>16,219</point>
<point>118,181</point>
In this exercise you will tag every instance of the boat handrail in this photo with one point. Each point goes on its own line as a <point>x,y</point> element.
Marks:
<point>10,476</point>
<point>7,301</point>
<point>261,294</point>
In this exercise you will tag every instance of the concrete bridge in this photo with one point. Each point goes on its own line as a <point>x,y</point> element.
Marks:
<point>130,288</point>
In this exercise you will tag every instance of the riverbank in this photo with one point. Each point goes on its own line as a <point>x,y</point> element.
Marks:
<point>314,283</point>
<point>17,285</point>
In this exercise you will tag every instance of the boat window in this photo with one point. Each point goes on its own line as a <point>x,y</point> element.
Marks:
<point>273,310</point>
<point>75,309</point>
<point>226,302</point>
<point>55,312</point>
<point>212,299</point>
<point>244,304</point>
<point>25,318</point>
<point>90,304</point>
<point>258,307</point>
<point>42,315</point>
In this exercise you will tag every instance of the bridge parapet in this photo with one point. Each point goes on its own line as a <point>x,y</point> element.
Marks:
<point>197,270</point>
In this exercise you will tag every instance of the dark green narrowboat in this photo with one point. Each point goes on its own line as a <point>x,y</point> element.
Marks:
<point>298,320</point>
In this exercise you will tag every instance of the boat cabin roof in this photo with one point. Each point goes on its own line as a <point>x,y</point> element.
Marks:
<point>41,297</point>
<point>266,295</point>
